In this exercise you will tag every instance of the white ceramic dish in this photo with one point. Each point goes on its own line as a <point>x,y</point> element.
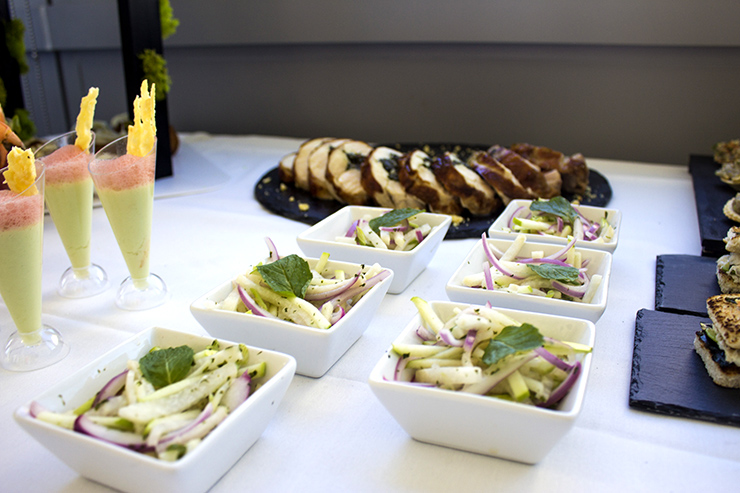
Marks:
<point>315,350</point>
<point>130,471</point>
<point>474,423</point>
<point>406,266</point>
<point>600,262</point>
<point>521,209</point>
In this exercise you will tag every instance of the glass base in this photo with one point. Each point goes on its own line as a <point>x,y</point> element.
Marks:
<point>40,349</point>
<point>141,294</point>
<point>83,282</point>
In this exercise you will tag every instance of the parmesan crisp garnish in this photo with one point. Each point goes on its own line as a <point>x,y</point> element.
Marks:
<point>143,133</point>
<point>85,119</point>
<point>21,172</point>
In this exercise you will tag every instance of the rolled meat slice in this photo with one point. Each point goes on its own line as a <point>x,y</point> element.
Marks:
<point>529,175</point>
<point>416,175</point>
<point>379,175</point>
<point>475,195</point>
<point>573,169</point>
<point>300,163</point>
<point>343,176</point>
<point>318,161</point>
<point>499,177</point>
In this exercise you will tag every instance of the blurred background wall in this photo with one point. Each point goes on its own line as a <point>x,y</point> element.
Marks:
<point>642,80</point>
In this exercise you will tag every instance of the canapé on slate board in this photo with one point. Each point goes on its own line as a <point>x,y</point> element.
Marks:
<point>711,195</point>
<point>668,377</point>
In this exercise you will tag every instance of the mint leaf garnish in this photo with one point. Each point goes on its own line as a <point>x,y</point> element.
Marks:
<point>288,276</point>
<point>166,366</point>
<point>511,340</point>
<point>562,273</point>
<point>557,206</point>
<point>392,218</point>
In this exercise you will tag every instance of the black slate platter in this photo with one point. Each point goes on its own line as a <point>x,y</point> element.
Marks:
<point>711,196</point>
<point>684,282</point>
<point>668,377</point>
<point>286,200</point>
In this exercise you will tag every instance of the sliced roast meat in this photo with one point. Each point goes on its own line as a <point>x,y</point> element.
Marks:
<point>318,160</point>
<point>573,169</point>
<point>343,177</point>
<point>529,175</point>
<point>416,175</point>
<point>285,168</point>
<point>467,185</point>
<point>300,164</point>
<point>380,179</point>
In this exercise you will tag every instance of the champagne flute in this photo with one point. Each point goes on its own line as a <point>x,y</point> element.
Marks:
<point>125,186</point>
<point>33,345</point>
<point>69,197</point>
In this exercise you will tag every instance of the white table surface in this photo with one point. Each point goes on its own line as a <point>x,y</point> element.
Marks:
<point>331,434</point>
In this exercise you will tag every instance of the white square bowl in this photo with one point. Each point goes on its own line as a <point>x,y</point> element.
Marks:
<point>520,208</point>
<point>599,262</point>
<point>315,350</point>
<point>406,266</point>
<point>130,471</point>
<point>475,423</point>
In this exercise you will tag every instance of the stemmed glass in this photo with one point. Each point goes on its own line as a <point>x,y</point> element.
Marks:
<point>33,345</point>
<point>125,186</point>
<point>69,197</point>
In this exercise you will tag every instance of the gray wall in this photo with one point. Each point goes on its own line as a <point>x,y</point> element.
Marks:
<point>644,80</point>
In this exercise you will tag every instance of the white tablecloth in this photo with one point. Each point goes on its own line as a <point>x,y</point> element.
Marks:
<point>331,434</point>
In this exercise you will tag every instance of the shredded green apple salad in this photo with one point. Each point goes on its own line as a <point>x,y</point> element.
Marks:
<point>287,288</point>
<point>561,275</point>
<point>165,403</point>
<point>397,229</point>
<point>558,217</point>
<point>482,351</point>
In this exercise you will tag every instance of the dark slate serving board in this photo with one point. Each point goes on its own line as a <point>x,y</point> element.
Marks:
<point>288,201</point>
<point>711,196</point>
<point>668,377</point>
<point>684,282</point>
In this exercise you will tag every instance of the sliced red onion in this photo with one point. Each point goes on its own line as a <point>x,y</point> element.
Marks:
<point>237,392</point>
<point>363,287</point>
<point>561,224</point>
<point>205,414</point>
<point>273,250</point>
<point>352,229</point>
<point>552,359</point>
<point>564,251</point>
<point>111,388</point>
<point>83,424</point>
<point>487,276</point>
<point>425,334</point>
<point>563,389</point>
<point>419,236</point>
<point>574,291</point>
<point>449,339</point>
<point>510,223</point>
<point>337,315</point>
<point>328,293</point>
<point>470,340</point>
<point>35,409</point>
<point>494,261</point>
<point>400,227</point>
<point>251,304</point>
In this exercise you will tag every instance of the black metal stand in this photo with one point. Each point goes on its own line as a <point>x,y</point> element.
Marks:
<point>141,30</point>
